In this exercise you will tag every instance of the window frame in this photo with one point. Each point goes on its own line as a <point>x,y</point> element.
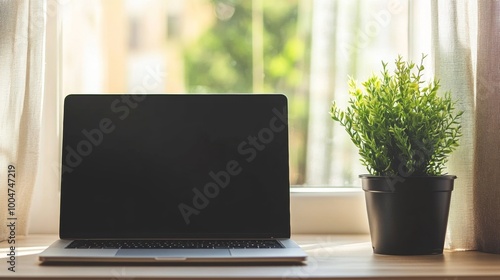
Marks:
<point>332,210</point>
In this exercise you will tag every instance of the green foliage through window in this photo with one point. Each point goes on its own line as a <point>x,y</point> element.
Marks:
<point>221,61</point>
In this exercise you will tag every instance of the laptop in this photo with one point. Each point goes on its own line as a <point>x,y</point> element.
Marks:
<point>175,178</point>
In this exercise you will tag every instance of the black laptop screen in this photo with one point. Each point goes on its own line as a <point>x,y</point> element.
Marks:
<point>153,166</point>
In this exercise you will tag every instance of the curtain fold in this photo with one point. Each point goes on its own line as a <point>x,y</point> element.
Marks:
<point>466,36</point>
<point>22,47</point>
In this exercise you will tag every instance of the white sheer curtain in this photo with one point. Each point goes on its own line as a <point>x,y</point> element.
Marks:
<point>466,40</point>
<point>349,38</point>
<point>22,41</point>
<point>80,54</point>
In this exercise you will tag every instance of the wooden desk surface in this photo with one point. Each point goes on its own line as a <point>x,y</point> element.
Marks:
<point>330,257</point>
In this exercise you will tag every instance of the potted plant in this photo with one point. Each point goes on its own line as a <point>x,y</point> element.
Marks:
<point>404,131</point>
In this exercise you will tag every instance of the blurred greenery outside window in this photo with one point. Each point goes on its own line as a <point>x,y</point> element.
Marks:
<point>303,48</point>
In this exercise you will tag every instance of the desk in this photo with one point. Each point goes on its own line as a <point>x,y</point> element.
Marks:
<point>330,257</point>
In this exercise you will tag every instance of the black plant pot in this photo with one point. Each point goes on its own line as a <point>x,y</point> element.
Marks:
<point>407,216</point>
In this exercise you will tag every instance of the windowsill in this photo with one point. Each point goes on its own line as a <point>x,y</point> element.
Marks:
<point>324,190</point>
<point>328,211</point>
<point>330,257</point>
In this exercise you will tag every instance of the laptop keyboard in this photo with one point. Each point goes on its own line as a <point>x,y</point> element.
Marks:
<point>173,244</point>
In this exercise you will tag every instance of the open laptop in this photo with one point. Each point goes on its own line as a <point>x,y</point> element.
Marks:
<point>175,178</point>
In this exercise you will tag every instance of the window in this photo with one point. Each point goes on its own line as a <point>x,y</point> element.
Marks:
<point>305,49</point>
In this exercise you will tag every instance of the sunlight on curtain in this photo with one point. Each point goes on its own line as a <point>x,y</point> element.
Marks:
<point>44,212</point>
<point>22,41</point>
<point>453,35</point>
<point>84,66</point>
<point>349,38</point>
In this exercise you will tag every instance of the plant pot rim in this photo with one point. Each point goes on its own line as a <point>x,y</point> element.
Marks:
<point>445,177</point>
<point>411,184</point>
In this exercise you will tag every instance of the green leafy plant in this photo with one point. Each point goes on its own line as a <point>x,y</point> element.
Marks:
<point>400,124</point>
